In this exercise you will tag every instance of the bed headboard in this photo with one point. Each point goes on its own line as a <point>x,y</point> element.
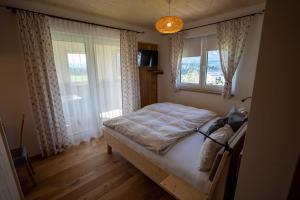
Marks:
<point>234,143</point>
<point>223,174</point>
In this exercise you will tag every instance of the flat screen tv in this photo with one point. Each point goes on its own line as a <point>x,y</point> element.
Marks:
<point>147,58</point>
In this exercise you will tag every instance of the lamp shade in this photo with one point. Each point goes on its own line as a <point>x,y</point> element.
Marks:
<point>169,24</point>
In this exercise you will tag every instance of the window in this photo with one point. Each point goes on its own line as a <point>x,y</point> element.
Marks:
<point>200,64</point>
<point>77,67</point>
<point>214,74</point>
<point>190,69</point>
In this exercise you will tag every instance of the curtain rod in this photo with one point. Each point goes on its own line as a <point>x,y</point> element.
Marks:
<point>75,20</point>
<point>256,13</point>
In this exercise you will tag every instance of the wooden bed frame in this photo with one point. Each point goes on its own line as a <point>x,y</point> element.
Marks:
<point>174,185</point>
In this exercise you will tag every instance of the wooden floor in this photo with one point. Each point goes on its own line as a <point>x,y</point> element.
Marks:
<point>88,172</point>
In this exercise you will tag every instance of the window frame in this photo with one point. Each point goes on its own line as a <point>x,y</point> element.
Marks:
<point>78,82</point>
<point>202,86</point>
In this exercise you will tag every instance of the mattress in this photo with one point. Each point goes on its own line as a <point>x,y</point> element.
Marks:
<point>159,126</point>
<point>182,160</point>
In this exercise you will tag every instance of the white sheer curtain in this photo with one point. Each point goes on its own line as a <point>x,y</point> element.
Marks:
<point>87,60</point>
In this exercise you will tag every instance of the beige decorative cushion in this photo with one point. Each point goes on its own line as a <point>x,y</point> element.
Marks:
<point>209,148</point>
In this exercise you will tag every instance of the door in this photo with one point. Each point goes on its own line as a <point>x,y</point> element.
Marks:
<point>9,183</point>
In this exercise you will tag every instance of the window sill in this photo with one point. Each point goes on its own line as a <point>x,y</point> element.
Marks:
<point>201,90</point>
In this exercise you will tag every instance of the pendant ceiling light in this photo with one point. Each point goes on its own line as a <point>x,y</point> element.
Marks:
<point>169,24</point>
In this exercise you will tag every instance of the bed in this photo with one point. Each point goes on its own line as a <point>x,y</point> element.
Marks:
<point>176,169</point>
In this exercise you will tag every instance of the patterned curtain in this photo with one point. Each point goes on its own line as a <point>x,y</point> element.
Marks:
<point>129,72</point>
<point>42,81</point>
<point>176,49</point>
<point>231,40</point>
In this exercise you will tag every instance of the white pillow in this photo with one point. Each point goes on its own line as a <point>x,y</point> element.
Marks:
<point>209,148</point>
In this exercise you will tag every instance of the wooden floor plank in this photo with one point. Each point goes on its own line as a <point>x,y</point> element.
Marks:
<point>87,172</point>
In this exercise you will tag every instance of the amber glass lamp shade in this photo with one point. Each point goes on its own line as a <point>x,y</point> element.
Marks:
<point>169,24</point>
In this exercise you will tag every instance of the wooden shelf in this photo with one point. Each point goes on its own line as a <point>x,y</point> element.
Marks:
<point>148,78</point>
<point>157,71</point>
<point>152,69</point>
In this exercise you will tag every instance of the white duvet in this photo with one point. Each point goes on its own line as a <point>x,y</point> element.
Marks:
<point>159,126</point>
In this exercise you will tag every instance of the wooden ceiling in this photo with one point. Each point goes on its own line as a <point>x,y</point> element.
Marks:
<point>144,13</point>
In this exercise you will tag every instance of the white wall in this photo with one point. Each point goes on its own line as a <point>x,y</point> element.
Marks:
<point>14,99</point>
<point>272,145</point>
<point>9,184</point>
<point>245,72</point>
